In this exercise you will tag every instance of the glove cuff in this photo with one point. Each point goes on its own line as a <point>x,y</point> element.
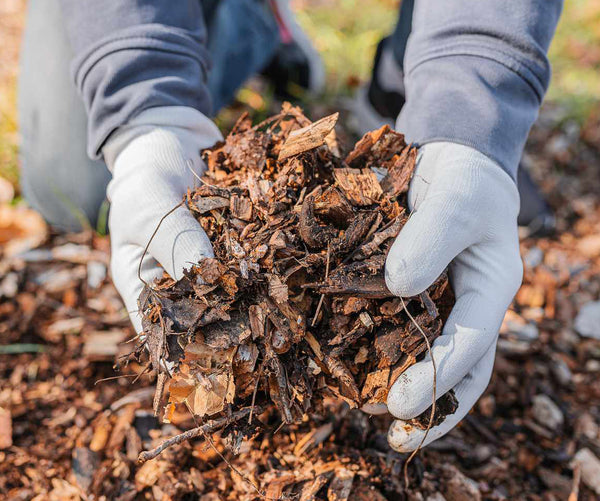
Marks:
<point>193,130</point>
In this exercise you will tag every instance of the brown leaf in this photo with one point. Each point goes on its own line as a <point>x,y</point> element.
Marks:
<point>5,429</point>
<point>21,229</point>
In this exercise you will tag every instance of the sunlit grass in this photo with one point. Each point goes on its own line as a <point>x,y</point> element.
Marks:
<point>575,57</point>
<point>8,132</point>
<point>346,33</point>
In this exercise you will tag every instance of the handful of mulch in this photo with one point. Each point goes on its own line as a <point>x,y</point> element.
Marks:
<point>294,307</point>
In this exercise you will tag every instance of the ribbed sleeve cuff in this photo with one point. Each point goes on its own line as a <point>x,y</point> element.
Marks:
<point>140,68</point>
<point>487,103</point>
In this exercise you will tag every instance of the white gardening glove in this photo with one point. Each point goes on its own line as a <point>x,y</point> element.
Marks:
<point>154,159</point>
<point>464,215</point>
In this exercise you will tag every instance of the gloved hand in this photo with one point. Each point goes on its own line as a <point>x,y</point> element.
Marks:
<point>154,159</point>
<point>464,215</point>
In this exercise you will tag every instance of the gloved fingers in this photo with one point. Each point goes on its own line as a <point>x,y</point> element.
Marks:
<point>460,197</point>
<point>125,260</point>
<point>404,437</point>
<point>179,243</point>
<point>485,279</point>
<point>432,237</point>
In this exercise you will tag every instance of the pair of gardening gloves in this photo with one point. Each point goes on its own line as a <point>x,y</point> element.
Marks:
<point>464,216</point>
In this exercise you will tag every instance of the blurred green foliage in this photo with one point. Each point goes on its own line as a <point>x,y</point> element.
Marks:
<point>575,57</point>
<point>8,133</point>
<point>346,33</point>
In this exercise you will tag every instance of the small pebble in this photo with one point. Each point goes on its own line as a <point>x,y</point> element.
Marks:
<point>533,258</point>
<point>587,426</point>
<point>560,370</point>
<point>590,468</point>
<point>547,413</point>
<point>587,321</point>
<point>9,285</point>
<point>96,273</point>
<point>592,365</point>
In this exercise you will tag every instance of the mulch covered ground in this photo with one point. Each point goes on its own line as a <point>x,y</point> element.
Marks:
<point>64,434</point>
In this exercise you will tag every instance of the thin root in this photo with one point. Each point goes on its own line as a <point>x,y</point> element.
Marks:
<point>433,396</point>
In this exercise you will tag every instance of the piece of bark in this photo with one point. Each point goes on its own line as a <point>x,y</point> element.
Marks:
<point>311,488</point>
<point>84,464</point>
<point>375,388</point>
<point>364,146</point>
<point>388,345</point>
<point>309,137</point>
<point>369,248</point>
<point>366,287</point>
<point>360,186</point>
<point>399,174</point>
<point>314,235</point>
<point>314,438</point>
<point>241,207</point>
<point>445,405</point>
<point>340,371</point>
<point>333,206</point>
<point>341,485</point>
<point>205,204</point>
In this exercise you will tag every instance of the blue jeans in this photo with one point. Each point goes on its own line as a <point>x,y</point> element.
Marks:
<point>57,177</point>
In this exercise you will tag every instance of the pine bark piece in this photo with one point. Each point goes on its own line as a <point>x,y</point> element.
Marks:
<point>400,173</point>
<point>357,229</point>
<point>340,371</point>
<point>241,207</point>
<point>206,204</point>
<point>309,137</point>
<point>375,389</point>
<point>388,346</point>
<point>84,465</point>
<point>341,485</point>
<point>365,145</point>
<point>371,287</point>
<point>310,489</point>
<point>313,234</point>
<point>360,186</point>
<point>333,206</point>
<point>369,248</point>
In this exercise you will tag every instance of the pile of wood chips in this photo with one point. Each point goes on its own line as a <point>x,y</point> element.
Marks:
<point>294,308</point>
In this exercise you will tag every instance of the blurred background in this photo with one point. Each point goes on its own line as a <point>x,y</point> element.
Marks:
<point>346,39</point>
<point>62,323</point>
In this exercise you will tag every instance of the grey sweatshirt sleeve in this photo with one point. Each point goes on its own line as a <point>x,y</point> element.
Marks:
<point>132,55</point>
<point>476,72</point>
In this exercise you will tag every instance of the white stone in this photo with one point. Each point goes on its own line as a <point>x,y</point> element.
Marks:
<point>587,321</point>
<point>533,258</point>
<point>547,413</point>
<point>590,468</point>
<point>587,426</point>
<point>592,365</point>
<point>96,273</point>
<point>561,371</point>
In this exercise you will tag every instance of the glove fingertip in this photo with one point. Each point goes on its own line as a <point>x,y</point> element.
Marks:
<point>408,271</point>
<point>404,437</point>
<point>405,401</point>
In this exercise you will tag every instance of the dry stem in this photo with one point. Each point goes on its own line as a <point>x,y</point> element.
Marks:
<point>208,428</point>
<point>433,396</point>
